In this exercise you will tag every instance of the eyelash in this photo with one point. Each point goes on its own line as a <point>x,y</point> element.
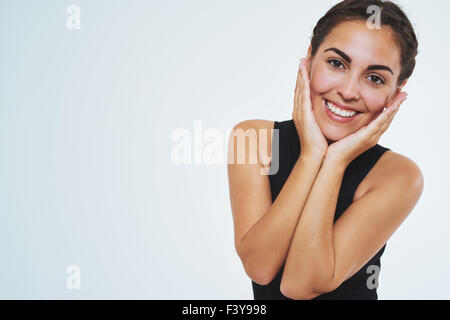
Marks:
<point>375,83</point>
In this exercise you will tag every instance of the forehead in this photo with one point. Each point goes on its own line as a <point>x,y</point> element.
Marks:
<point>363,45</point>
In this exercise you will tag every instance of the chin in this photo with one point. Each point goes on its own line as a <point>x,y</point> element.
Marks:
<point>333,134</point>
<point>332,131</point>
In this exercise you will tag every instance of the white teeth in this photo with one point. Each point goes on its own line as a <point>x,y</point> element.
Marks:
<point>339,111</point>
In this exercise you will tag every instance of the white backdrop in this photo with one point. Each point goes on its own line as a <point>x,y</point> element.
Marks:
<point>87,116</point>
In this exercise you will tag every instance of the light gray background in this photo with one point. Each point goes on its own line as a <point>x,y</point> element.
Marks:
<point>86,118</point>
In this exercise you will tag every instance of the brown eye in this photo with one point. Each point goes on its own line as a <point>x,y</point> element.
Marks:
<point>377,80</point>
<point>335,63</point>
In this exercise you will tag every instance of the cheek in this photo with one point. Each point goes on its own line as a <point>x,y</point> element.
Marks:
<point>323,81</point>
<point>375,100</point>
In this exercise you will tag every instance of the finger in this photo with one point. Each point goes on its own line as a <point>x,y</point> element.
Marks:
<point>297,93</point>
<point>306,94</point>
<point>374,127</point>
<point>398,100</point>
<point>298,85</point>
<point>378,126</point>
<point>390,113</point>
<point>393,111</point>
<point>387,119</point>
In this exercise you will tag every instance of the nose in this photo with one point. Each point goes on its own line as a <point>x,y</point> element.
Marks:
<point>349,89</point>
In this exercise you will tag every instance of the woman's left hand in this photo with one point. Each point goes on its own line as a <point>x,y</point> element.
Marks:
<point>347,149</point>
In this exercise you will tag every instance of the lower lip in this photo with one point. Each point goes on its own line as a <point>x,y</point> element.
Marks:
<point>337,118</point>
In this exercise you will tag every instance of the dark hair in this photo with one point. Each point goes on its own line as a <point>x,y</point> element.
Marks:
<point>391,15</point>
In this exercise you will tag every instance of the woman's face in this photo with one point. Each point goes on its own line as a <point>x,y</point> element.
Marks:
<point>346,71</point>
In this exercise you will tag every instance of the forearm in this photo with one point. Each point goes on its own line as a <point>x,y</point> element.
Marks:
<point>266,244</point>
<point>310,260</point>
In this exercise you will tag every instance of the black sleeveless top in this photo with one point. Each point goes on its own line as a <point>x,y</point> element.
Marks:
<point>359,286</point>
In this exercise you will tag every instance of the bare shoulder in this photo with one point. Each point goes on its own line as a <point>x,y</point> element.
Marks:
<point>257,129</point>
<point>399,169</point>
<point>255,124</point>
<point>250,193</point>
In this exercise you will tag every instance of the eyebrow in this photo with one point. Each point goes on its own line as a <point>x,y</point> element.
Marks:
<point>379,67</point>
<point>349,60</point>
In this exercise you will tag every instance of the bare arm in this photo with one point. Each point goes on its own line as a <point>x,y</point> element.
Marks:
<point>324,254</point>
<point>310,262</point>
<point>264,230</point>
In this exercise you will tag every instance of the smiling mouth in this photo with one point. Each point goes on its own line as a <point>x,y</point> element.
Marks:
<point>339,111</point>
<point>337,115</point>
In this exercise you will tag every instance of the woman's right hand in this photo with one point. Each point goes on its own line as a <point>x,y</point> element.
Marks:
<point>312,141</point>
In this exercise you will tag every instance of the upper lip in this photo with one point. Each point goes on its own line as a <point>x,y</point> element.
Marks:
<point>348,108</point>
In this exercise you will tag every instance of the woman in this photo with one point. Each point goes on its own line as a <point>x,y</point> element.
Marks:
<point>317,227</point>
